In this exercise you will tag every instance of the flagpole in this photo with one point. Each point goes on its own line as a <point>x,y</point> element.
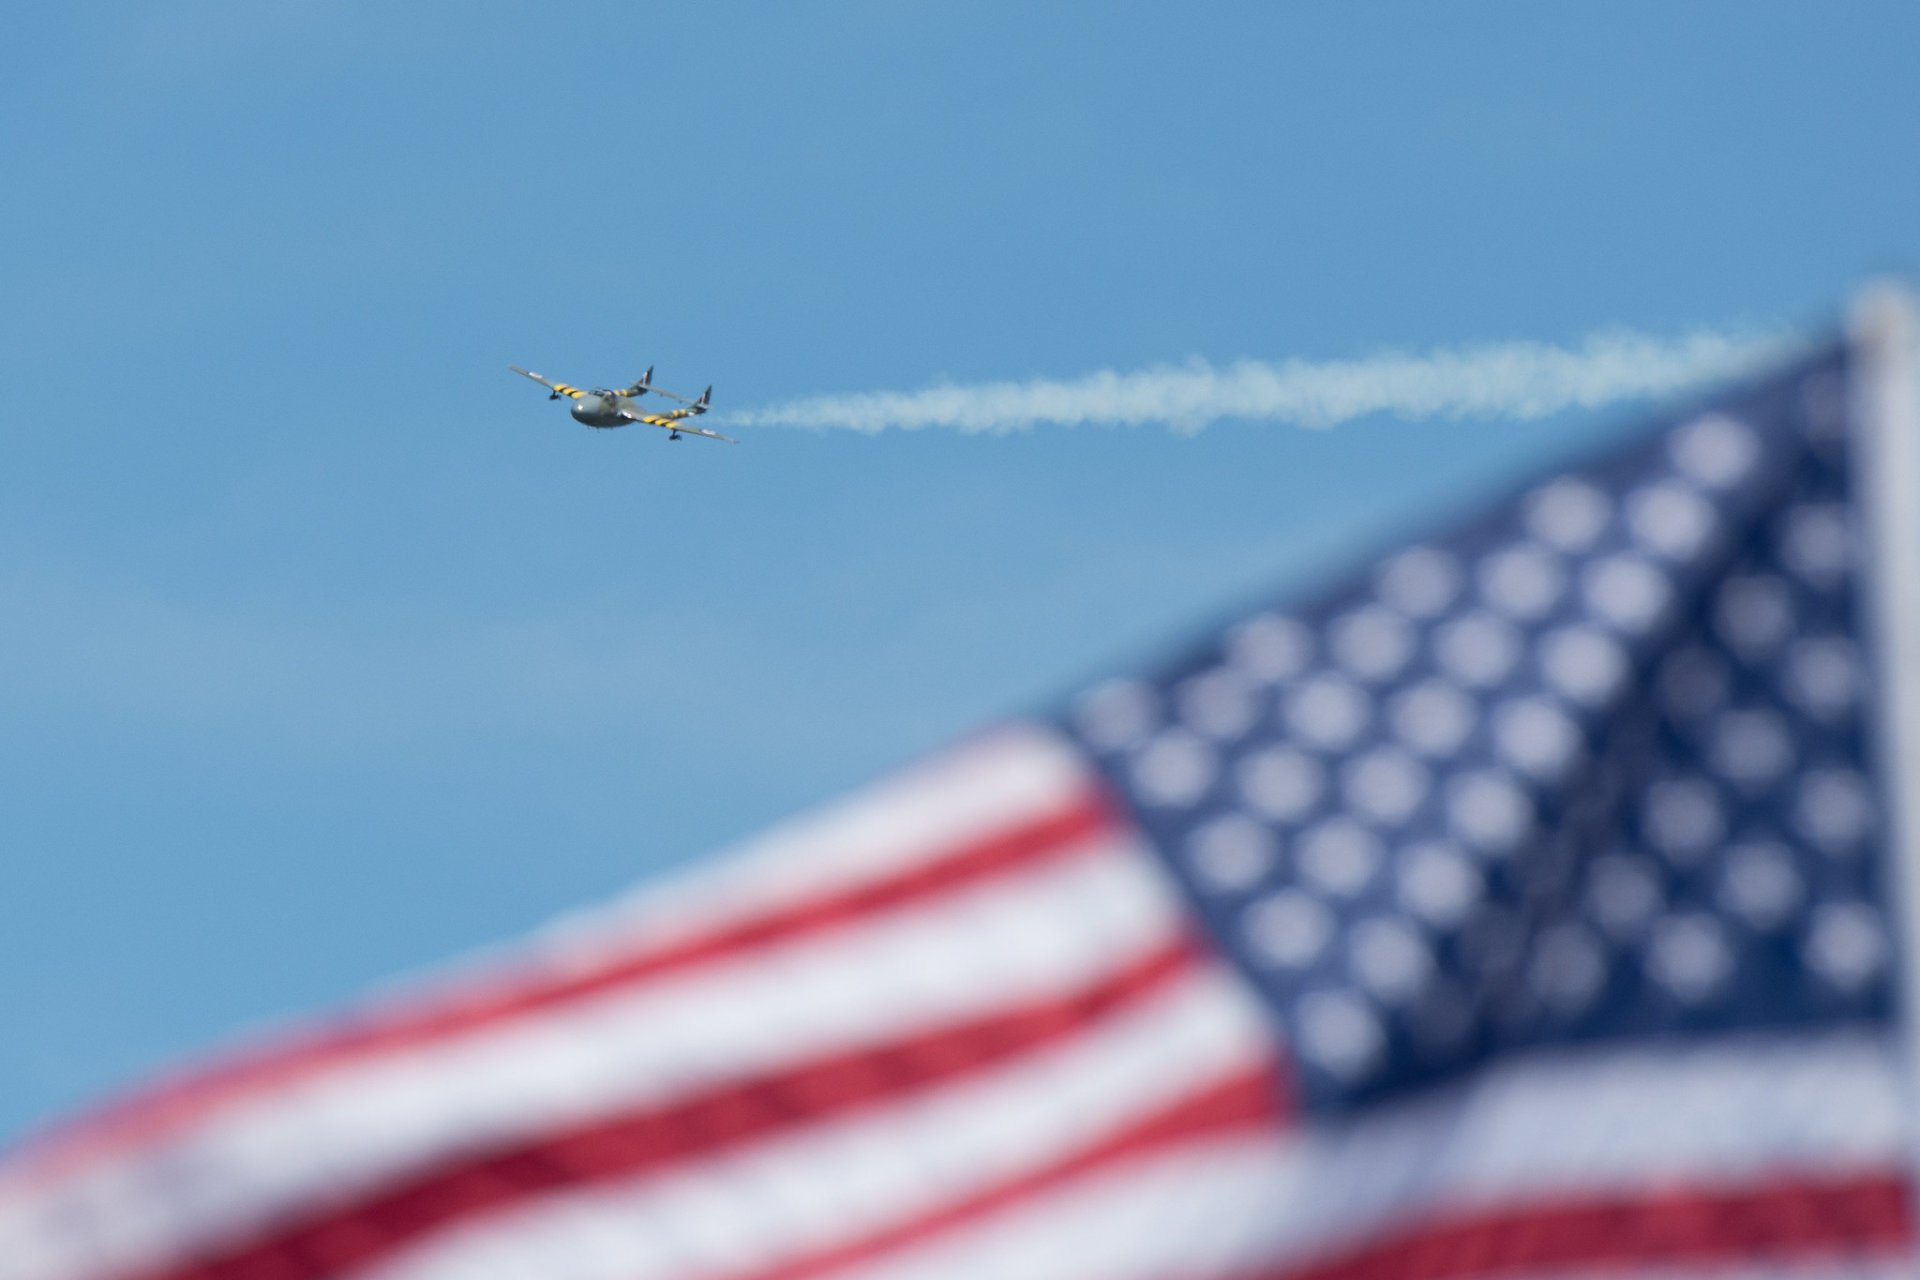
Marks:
<point>1885,339</point>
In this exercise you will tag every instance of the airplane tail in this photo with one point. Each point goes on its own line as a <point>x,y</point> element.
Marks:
<point>700,405</point>
<point>643,385</point>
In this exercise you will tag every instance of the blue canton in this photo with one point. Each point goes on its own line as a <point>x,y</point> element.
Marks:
<point>1591,767</point>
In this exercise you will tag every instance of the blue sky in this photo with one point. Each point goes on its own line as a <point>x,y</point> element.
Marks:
<point>328,648</point>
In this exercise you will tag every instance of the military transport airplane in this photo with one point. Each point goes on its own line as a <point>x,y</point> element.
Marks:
<point>606,409</point>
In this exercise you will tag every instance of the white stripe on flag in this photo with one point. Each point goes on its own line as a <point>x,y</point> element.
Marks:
<point>1612,1122</point>
<point>1703,1118</point>
<point>1032,933</point>
<point>839,1181</point>
<point>1191,1213</point>
<point>1198,1214</point>
<point>1604,1120</point>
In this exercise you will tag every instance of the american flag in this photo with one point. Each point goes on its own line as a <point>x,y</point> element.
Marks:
<point>1521,905</point>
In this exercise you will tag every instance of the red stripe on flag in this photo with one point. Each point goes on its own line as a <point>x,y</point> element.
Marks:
<point>1250,1101</point>
<point>358,1232</point>
<point>1804,1218</point>
<point>456,1012</point>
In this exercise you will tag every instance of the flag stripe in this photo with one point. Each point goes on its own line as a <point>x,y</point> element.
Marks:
<point>1249,1102</point>
<point>1190,1210</point>
<point>1603,1123</point>
<point>751,1206</point>
<point>353,1234</point>
<point>451,1013</point>
<point>1595,1129</point>
<point>1203,1211</point>
<point>1861,1216</point>
<point>1037,932</point>
<point>1618,1116</point>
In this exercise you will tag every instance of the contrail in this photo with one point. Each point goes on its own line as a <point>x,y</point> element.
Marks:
<point>1488,380</point>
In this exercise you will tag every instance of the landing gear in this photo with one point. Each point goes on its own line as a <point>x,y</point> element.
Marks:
<point>672,436</point>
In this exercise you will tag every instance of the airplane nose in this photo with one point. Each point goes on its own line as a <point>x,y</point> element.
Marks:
<point>585,407</point>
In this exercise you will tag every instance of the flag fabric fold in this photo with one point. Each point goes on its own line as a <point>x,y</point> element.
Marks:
<point>1524,904</point>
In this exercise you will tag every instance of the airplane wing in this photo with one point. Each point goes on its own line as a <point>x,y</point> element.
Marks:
<point>711,435</point>
<point>558,388</point>
<point>677,421</point>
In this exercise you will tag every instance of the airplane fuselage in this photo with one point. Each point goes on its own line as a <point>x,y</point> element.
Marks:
<point>600,411</point>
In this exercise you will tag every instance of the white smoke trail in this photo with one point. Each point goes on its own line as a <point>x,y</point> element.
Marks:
<point>1498,379</point>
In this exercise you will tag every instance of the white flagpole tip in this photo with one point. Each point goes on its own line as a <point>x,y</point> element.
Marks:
<point>1882,320</point>
<point>1886,470</point>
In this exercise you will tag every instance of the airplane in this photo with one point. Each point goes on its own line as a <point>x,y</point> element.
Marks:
<point>607,409</point>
